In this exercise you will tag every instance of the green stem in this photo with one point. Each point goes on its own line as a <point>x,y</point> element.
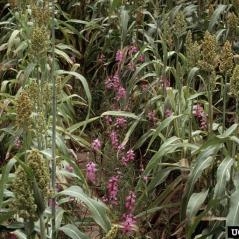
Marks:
<point>210,110</point>
<point>42,227</point>
<point>224,104</point>
<point>54,112</point>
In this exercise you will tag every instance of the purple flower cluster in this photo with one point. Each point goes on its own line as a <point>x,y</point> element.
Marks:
<point>114,139</point>
<point>113,83</point>
<point>200,114</point>
<point>128,220</point>
<point>128,223</point>
<point>91,171</point>
<point>128,157</point>
<point>96,144</point>
<point>112,190</point>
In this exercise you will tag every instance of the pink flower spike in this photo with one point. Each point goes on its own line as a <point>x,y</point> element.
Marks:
<point>91,171</point>
<point>128,224</point>
<point>130,156</point>
<point>120,122</point>
<point>96,144</point>
<point>130,202</point>
<point>119,56</point>
<point>114,139</point>
<point>112,190</point>
<point>121,93</point>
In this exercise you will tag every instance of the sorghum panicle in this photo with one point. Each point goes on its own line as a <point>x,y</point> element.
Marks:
<point>40,168</point>
<point>23,110</point>
<point>39,40</point>
<point>192,50</point>
<point>226,59</point>
<point>24,203</point>
<point>180,24</point>
<point>208,60</point>
<point>232,23</point>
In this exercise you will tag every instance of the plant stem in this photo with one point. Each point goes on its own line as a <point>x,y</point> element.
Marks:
<point>224,104</point>
<point>42,227</point>
<point>210,110</point>
<point>54,112</point>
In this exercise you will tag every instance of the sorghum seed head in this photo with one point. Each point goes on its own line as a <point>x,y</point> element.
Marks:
<point>226,59</point>
<point>23,109</point>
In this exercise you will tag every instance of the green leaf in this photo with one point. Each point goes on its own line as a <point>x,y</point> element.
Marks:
<point>120,113</point>
<point>204,160</point>
<point>223,176</point>
<point>124,20</point>
<point>216,16</point>
<point>85,86</point>
<point>73,232</point>
<point>98,209</point>
<point>4,178</point>
<point>194,204</point>
<point>233,215</point>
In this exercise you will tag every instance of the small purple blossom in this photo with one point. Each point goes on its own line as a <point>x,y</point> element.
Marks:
<point>130,202</point>
<point>91,171</point>
<point>128,224</point>
<point>114,139</point>
<point>96,144</point>
<point>119,56</point>
<point>133,49</point>
<point>128,157</point>
<point>121,93</point>
<point>141,58</point>
<point>168,113</point>
<point>152,116</point>
<point>200,114</point>
<point>120,122</point>
<point>112,190</point>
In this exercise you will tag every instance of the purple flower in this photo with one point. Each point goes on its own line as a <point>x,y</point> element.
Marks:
<point>133,49</point>
<point>114,139</point>
<point>141,58</point>
<point>152,116</point>
<point>119,56</point>
<point>129,223</point>
<point>112,190</point>
<point>121,93</point>
<point>200,114</point>
<point>96,144</point>
<point>130,202</point>
<point>91,171</point>
<point>116,81</point>
<point>120,122</point>
<point>128,157</point>
<point>168,113</point>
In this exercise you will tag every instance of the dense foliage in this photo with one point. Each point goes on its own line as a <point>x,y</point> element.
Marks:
<point>119,119</point>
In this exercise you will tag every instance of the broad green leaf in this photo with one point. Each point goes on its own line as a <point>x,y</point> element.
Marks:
<point>223,176</point>
<point>120,113</point>
<point>168,147</point>
<point>98,209</point>
<point>194,204</point>
<point>204,160</point>
<point>216,16</point>
<point>85,86</point>
<point>12,40</point>
<point>228,132</point>
<point>124,20</point>
<point>73,232</point>
<point>4,178</point>
<point>233,214</point>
